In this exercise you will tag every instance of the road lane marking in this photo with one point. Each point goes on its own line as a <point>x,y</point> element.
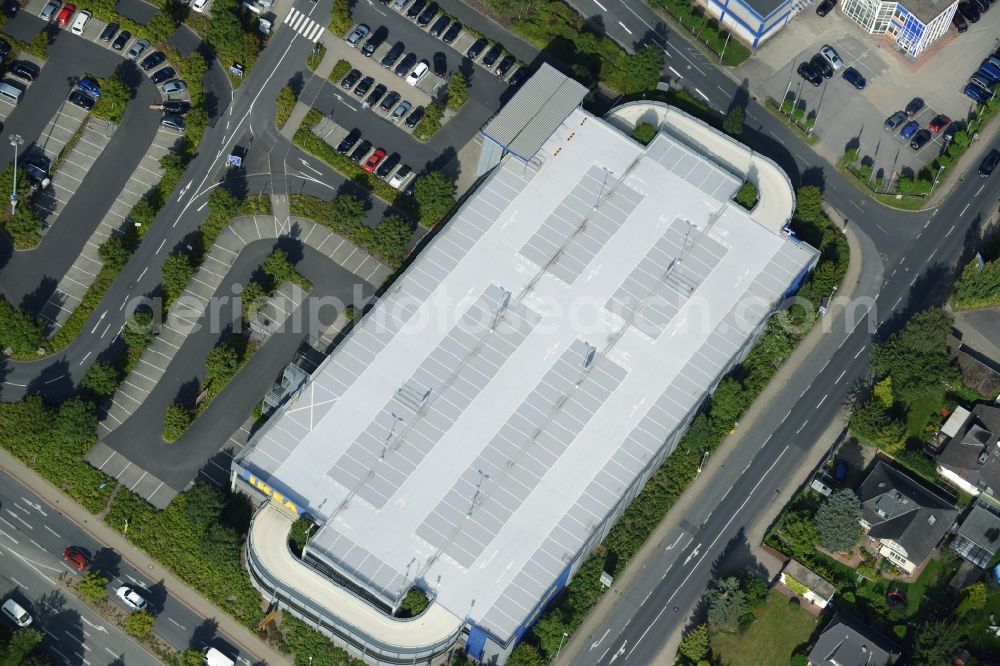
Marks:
<point>963,210</point>
<point>702,94</point>
<point>624,27</point>
<point>108,650</point>
<point>980,189</point>
<point>18,518</point>
<point>598,641</point>
<point>175,622</point>
<point>603,8</point>
<point>676,73</point>
<point>897,302</point>
<point>842,373</point>
<point>693,553</point>
<point>951,230</point>
<point>859,351</point>
<point>162,243</point>
<point>38,545</point>
<point>18,583</point>
<point>802,426</point>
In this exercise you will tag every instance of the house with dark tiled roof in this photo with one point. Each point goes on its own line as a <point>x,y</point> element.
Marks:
<point>903,519</point>
<point>971,457</point>
<point>846,641</point>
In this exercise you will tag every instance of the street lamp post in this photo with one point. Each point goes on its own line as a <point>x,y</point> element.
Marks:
<point>554,659</point>
<point>15,142</point>
<point>936,179</point>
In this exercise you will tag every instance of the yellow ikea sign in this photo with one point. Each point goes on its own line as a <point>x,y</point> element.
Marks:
<point>275,496</point>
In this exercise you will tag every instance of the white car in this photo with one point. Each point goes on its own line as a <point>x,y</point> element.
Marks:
<point>131,598</point>
<point>16,613</point>
<point>418,73</point>
<point>80,22</point>
<point>199,5</point>
<point>398,178</point>
<point>831,57</point>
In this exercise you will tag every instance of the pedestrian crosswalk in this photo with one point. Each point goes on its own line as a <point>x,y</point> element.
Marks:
<point>304,25</point>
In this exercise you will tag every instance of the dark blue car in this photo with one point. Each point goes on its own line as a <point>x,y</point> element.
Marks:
<point>90,86</point>
<point>909,129</point>
<point>854,77</point>
<point>976,94</point>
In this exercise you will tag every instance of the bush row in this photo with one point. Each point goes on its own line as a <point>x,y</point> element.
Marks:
<point>707,30</point>
<point>345,215</point>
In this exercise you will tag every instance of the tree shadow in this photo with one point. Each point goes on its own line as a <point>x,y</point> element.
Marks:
<point>156,596</point>
<point>446,163</point>
<point>204,634</point>
<point>36,299</point>
<point>296,83</point>
<point>187,394</point>
<point>106,561</point>
<point>738,557</point>
<point>596,23</point>
<point>54,383</point>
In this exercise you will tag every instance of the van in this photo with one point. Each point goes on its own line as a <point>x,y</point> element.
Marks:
<point>80,22</point>
<point>16,613</point>
<point>215,658</point>
<point>10,93</point>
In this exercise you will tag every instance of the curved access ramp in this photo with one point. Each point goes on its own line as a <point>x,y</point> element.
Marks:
<point>776,201</point>
<point>334,610</point>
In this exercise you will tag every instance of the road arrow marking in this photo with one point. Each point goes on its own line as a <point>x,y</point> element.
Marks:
<point>98,627</point>
<point>184,190</point>
<point>694,553</point>
<point>620,652</point>
<point>310,167</point>
<point>598,641</point>
<point>674,544</point>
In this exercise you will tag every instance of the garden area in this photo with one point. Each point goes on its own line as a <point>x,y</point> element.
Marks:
<point>780,626</point>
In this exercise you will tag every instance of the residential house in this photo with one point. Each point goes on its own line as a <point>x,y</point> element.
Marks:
<point>807,584</point>
<point>903,519</point>
<point>846,641</point>
<point>978,537</point>
<point>971,457</point>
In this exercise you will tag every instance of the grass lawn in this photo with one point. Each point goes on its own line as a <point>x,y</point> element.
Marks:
<point>981,640</point>
<point>921,410</point>
<point>770,640</point>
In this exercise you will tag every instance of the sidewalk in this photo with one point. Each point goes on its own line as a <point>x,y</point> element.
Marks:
<point>588,631</point>
<point>246,640</point>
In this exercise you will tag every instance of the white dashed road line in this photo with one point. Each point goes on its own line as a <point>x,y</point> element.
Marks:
<point>624,27</point>
<point>702,94</point>
<point>603,8</point>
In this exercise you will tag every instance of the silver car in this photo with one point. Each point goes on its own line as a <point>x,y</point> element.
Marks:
<point>49,10</point>
<point>401,111</point>
<point>137,49</point>
<point>175,86</point>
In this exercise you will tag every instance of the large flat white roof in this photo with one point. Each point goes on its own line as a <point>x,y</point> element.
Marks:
<point>486,416</point>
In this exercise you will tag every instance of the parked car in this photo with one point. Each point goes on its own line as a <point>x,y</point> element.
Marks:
<point>830,55</point>
<point>854,77</point>
<point>439,26</point>
<point>175,86</point>
<point>518,77</point>
<point>920,139</point>
<point>394,54</point>
<point>414,117</point>
<point>414,11</point>
<point>388,164</point>
<point>969,12</point>
<point>23,69</point>
<point>825,7</point>
<point>81,99</point>
<point>121,40</point>
<point>373,42</point>
<point>109,32</point>
<point>376,95</point>
<point>402,173</point>
<point>405,65</point>
<point>982,5</point>
<point>137,49</point>
<point>428,14</point>
<point>505,65</point>
<point>952,129</point>
<point>452,33</point>
<point>352,77</point>
<point>173,121</point>
<point>976,94</point>
<point>36,166</point>
<point>374,160</point>
<point>909,129</point>
<point>49,10</point>
<point>80,22</point>
<point>389,101</point>
<point>152,60</point>
<point>959,22</point>
<point>914,107</point>
<point>399,4</point>
<point>16,613</point>
<point>893,121</point>
<point>440,64</point>
<point>365,85</point>
<point>163,74</point>
<point>349,141</point>
<point>984,82</point>
<point>76,558</point>
<point>199,5</point>
<point>809,73</point>
<point>89,85</point>
<point>492,56</point>
<point>176,106</point>
<point>820,64</point>
<point>401,111</point>
<point>64,15</point>
<point>477,48</point>
<point>131,598</point>
<point>361,151</point>
<point>357,35</point>
<point>417,73</point>
<point>4,50</point>
<point>939,122</point>
<point>989,163</point>
<point>11,8</point>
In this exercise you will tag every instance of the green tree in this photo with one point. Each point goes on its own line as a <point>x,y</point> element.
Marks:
<point>634,73</point>
<point>726,604</point>
<point>278,267</point>
<point>973,598</point>
<point>233,38</point>
<point>799,659</point>
<point>20,331</point>
<point>435,196</point>
<point>525,654</point>
<point>341,20</point>
<point>694,644</point>
<point>113,253</point>
<point>798,532</point>
<point>39,45</point>
<point>176,421</point>
<point>160,27</point>
<point>755,589</point>
<point>937,643</point>
<point>139,624</point>
<point>733,123</point>
<point>192,658</point>
<point>644,133</point>
<point>101,379</point>
<point>414,603</point>
<point>837,521</point>
<point>252,299</point>
<point>177,271</point>
<point>22,643</point>
<point>978,286</point>
<point>346,212</point>
<point>115,96</point>
<point>390,238</point>
<point>809,204</point>
<point>93,587</point>
<point>747,195</point>
<point>24,226</point>
<point>917,356</point>
<point>883,392</point>
<point>430,123</point>
<point>221,363</point>
<point>458,91</point>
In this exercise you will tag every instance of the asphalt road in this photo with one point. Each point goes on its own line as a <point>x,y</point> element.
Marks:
<point>33,535</point>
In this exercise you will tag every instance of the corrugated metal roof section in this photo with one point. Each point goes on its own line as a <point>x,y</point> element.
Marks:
<point>544,101</point>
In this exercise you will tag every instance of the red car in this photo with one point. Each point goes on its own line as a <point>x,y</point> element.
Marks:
<point>64,15</point>
<point>939,123</point>
<point>76,558</point>
<point>374,160</point>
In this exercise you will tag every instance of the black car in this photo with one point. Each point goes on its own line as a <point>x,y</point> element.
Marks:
<point>4,50</point>
<point>414,117</point>
<point>440,64</point>
<point>406,64</point>
<point>109,32</point>
<point>393,55</point>
<point>163,75</point>
<point>388,164</point>
<point>969,12</point>
<point>176,106</point>
<point>439,26</point>
<point>415,9</point>
<point>81,99</point>
<point>518,77</point>
<point>982,5</point>
<point>376,96</point>
<point>920,138</point>
<point>173,121</point>
<point>820,64</point>
<point>152,60</point>
<point>854,77</point>
<point>121,40</point>
<point>807,72</point>
<point>24,70</point>
<point>10,8</point>
<point>428,14</point>
<point>504,67</point>
<point>913,108</point>
<point>492,56</point>
<point>391,100</point>
<point>352,77</point>
<point>365,85</point>
<point>451,34</point>
<point>959,22</point>
<point>375,41</point>
<point>37,167</point>
<point>348,142</point>
<point>477,48</point>
<point>361,151</point>
<point>989,163</point>
<point>825,7</point>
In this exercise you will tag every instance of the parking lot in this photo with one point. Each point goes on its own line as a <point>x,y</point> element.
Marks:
<point>846,117</point>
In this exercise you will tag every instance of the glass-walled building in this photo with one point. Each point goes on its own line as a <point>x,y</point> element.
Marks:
<point>914,26</point>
